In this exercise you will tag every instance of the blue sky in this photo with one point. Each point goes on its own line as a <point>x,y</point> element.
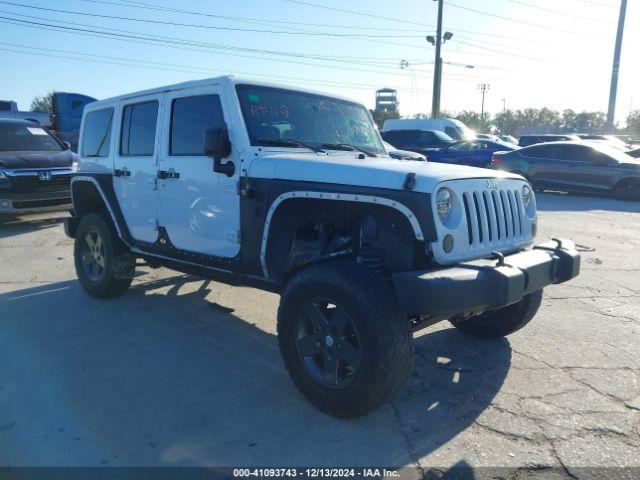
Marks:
<point>540,53</point>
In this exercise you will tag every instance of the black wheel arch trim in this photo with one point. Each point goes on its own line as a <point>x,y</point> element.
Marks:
<point>259,198</point>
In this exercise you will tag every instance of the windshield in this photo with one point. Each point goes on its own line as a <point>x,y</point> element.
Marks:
<point>442,136</point>
<point>27,138</point>
<point>465,132</point>
<point>611,151</point>
<point>274,114</point>
<point>616,141</point>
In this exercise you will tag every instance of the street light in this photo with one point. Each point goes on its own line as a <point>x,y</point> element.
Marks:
<point>483,87</point>
<point>437,41</point>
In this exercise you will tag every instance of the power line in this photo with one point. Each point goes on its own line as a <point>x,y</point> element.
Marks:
<point>523,22</point>
<point>558,12</point>
<point>179,44</point>
<point>147,64</point>
<point>353,12</point>
<point>510,54</point>
<point>182,44</point>
<point>165,66</point>
<point>212,27</point>
<point>148,6</point>
<point>599,3</point>
<point>453,29</point>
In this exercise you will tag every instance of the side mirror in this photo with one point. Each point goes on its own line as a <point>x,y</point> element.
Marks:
<point>67,145</point>
<point>218,146</point>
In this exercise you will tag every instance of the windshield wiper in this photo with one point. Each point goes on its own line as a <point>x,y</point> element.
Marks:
<point>348,146</point>
<point>289,143</point>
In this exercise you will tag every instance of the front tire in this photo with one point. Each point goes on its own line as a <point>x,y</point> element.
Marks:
<point>104,265</point>
<point>501,322</point>
<point>627,190</point>
<point>344,338</point>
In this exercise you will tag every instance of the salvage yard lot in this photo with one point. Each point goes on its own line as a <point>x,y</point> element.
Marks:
<point>182,371</point>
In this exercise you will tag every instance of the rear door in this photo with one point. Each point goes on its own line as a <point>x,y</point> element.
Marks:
<point>136,165</point>
<point>199,208</point>
<point>544,165</point>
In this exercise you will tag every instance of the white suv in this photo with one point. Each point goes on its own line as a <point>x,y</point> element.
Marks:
<point>292,191</point>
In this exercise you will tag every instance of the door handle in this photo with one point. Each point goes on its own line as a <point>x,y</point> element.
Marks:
<point>122,173</point>
<point>165,174</point>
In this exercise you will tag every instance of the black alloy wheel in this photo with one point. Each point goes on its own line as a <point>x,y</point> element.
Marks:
<point>328,343</point>
<point>93,255</point>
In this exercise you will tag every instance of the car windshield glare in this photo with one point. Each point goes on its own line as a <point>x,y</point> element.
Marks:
<point>612,152</point>
<point>280,114</point>
<point>27,138</point>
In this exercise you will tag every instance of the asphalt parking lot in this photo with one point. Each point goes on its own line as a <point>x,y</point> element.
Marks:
<point>182,371</point>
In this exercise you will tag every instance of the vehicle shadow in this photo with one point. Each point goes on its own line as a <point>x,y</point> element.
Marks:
<point>576,202</point>
<point>12,226</point>
<point>164,376</point>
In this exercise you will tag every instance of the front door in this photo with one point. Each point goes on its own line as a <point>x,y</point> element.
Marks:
<point>135,165</point>
<point>199,208</point>
<point>589,167</point>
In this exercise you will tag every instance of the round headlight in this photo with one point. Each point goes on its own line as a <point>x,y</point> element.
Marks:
<point>443,204</point>
<point>526,196</point>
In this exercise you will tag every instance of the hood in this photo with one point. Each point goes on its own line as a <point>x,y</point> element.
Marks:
<point>347,169</point>
<point>631,164</point>
<point>405,154</point>
<point>16,160</point>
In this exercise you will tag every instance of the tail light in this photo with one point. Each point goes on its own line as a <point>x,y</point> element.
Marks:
<point>496,160</point>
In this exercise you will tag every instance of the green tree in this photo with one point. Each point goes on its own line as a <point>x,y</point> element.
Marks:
<point>633,123</point>
<point>583,121</point>
<point>472,119</point>
<point>379,116</point>
<point>507,122</point>
<point>43,103</point>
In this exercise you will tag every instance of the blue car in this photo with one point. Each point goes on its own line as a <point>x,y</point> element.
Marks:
<point>475,153</point>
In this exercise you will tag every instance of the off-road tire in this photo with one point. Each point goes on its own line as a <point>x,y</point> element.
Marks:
<point>119,262</point>
<point>627,190</point>
<point>383,327</point>
<point>501,322</point>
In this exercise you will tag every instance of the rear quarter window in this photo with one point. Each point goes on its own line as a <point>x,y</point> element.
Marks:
<point>138,135</point>
<point>96,133</point>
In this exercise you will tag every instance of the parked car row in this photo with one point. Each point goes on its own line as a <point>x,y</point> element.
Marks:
<point>574,166</point>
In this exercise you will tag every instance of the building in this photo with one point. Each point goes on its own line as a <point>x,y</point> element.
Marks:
<point>386,100</point>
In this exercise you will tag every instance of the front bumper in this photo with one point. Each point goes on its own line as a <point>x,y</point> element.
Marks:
<point>484,285</point>
<point>18,203</point>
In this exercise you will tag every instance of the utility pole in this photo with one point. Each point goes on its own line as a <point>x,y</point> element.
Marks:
<point>483,87</point>
<point>504,105</point>
<point>437,75</point>
<point>613,91</point>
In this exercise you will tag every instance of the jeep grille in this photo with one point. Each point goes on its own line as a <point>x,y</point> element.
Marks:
<point>493,215</point>
<point>487,216</point>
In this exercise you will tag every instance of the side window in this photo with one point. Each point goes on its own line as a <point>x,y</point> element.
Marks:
<point>390,136</point>
<point>451,132</point>
<point>577,153</point>
<point>461,146</point>
<point>190,117</point>
<point>138,134</point>
<point>541,151</point>
<point>427,137</point>
<point>96,135</point>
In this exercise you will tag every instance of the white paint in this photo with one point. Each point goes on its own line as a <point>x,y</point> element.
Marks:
<point>456,224</point>
<point>136,193</point>
<point>344,168</point>
<point>201,209</point>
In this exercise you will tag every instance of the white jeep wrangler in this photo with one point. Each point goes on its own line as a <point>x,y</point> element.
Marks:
<point>292,191</point>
